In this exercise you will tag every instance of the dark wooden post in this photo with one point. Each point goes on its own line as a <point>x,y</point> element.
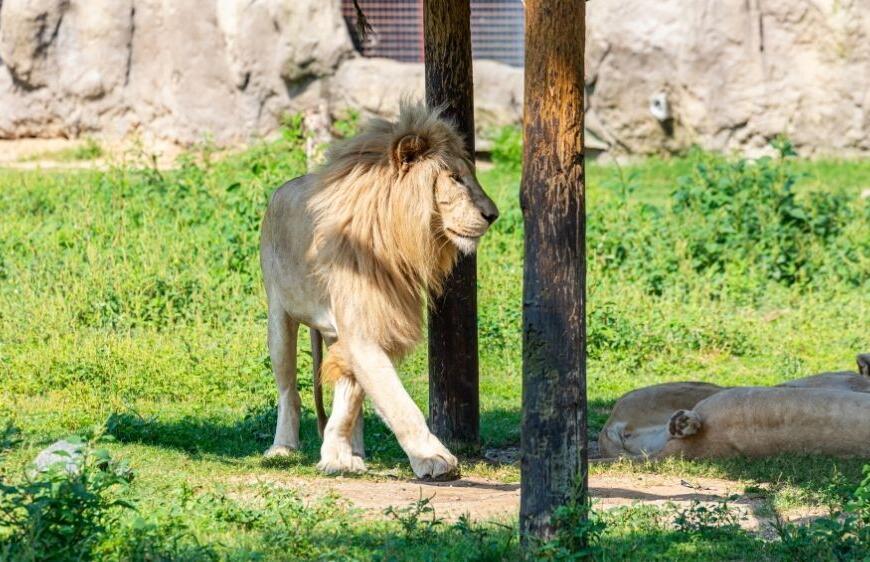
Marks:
<point>554,456</point>
<point>453,369</point>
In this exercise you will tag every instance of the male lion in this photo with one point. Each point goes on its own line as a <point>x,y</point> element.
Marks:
<point>350,251</point>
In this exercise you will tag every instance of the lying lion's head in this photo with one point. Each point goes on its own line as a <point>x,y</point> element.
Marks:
<point>397,203</point>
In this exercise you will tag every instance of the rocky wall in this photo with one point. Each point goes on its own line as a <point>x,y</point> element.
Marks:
<point>661,76</point>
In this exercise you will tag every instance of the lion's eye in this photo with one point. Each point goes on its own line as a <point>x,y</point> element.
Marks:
<point>456,178</point>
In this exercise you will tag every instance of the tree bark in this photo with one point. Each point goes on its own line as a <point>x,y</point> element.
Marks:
<point>554,455</point>
<point>453,365</point>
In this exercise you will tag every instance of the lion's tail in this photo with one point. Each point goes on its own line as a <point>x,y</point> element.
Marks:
<point>317,365</point>
<point>326,371</point>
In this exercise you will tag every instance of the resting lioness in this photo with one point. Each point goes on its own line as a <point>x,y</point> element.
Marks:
<point>758,421</point>
<point>635,424</point>
<point>638,423</point>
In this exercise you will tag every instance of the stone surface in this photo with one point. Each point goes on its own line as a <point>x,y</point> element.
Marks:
<point>374,87</point>
<point>660,76</point>
<point>60,452</point>
<point>180,70</point>
<point>735,74</point>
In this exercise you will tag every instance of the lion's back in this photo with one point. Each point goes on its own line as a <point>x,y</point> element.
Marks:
<point>287,256</point>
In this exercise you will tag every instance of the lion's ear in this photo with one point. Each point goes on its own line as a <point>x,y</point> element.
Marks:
<point>408,150</point>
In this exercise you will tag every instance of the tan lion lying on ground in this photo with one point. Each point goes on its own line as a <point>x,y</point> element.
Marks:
<point>351,251</point>
<point>827,413</point>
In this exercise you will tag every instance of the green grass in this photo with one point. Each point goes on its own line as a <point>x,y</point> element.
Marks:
<point>132,298</point>
<point>90,150</point>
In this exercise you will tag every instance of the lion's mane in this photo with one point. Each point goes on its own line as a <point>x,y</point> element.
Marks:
<point>379,247</point>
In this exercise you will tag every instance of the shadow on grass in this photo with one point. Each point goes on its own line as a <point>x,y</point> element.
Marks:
<point>209,436</point>
<point>252,434</point>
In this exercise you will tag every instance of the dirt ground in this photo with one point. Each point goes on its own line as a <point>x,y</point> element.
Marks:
<point>482,499</point>
<point>43,154</point>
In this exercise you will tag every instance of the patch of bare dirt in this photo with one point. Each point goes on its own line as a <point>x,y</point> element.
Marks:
<point>47,154</point>
<point>483,499</point>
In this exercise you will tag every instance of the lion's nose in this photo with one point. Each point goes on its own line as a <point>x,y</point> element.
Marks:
<point>490,217</point>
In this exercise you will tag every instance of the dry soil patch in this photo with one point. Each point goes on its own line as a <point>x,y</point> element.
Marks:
<point>484,499</point>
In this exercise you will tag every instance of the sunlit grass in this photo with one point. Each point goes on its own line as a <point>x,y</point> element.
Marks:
<point>132,298</point>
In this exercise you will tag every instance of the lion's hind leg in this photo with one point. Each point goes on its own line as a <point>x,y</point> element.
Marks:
<point>342,449</point>
<point>282,350</point>
<point>339,453</point>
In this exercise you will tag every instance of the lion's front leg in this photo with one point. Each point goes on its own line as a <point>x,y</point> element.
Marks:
<point>338,453</point>
<point>375,373</point>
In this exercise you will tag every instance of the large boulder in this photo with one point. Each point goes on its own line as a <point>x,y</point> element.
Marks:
<point>731,75</point>
<point>374,86</point>
<point>179,70</point>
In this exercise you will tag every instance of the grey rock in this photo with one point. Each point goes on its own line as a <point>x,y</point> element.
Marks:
<point>60,452</point>
<point>735,73</point>
<point>374,86</point>
<point>178,71</point>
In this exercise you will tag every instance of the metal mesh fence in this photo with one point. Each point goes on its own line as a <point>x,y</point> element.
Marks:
<point>496,29</point>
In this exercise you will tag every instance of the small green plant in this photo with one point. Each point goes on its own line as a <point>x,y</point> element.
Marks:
<point>293,129</point>
<point>843,535</point>
<point>347,125</point>
<point>700,518</point>
<point>418,520</point>
<point>90,149</point>
<point>63,514</point>
<point>783,146</point>
<point>230,511</point>
<point>488,544</point>
<point>577,532</point>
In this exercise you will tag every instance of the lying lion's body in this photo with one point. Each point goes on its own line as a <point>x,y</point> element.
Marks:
<point>843,380</point>
<point>351,251</point>
<point>757,422</point>
<point>638,423</point>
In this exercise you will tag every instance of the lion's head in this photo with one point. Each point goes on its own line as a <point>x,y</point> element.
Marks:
<point>462,211</point>
<point>396,205</point>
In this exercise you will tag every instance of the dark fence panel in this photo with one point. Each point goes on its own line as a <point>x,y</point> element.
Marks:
<point>496,29</point>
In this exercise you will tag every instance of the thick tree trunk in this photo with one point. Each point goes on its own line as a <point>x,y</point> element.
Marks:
<point>554,457</point>
<point>453,369</point>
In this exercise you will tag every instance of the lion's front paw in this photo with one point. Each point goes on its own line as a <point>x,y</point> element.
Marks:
<point>278,451</point>
<point>683,424</point>
<point>435,462</point>
<point>337,457</point>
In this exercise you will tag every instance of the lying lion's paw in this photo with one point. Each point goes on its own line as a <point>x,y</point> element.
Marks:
<point>279,451</point>
<point>684,423</point>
